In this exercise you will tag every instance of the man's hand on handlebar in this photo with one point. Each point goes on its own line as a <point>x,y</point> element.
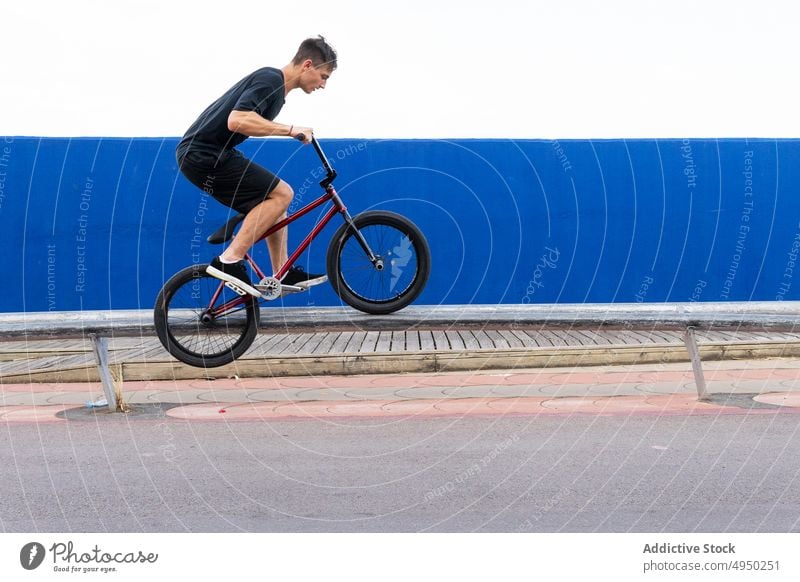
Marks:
<point>302,134</point>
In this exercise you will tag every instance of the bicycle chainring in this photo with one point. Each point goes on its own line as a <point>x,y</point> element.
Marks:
<point>270,288</point>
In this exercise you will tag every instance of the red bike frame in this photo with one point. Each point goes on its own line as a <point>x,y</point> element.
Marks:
<point>330,195</point>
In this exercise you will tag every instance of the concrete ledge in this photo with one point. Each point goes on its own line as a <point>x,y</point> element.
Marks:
<point>140,322</point>
<point>144,364</point>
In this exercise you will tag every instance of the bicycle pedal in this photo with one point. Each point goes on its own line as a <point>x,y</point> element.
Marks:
<point>315,282</point>
<point>235,288</point>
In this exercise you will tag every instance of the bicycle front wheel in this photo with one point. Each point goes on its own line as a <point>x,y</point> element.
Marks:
<point>203,323</point>
<point>399,275</point>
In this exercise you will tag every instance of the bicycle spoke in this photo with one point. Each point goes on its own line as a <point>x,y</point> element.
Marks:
<point>185,318</point>
<point>399,257</point>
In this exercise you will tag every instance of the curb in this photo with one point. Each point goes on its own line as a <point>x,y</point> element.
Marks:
<point>416,362</point>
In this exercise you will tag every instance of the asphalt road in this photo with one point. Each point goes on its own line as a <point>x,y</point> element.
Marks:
<point>624,473</point>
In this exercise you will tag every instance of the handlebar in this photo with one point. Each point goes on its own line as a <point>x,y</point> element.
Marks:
<point>331,173</point>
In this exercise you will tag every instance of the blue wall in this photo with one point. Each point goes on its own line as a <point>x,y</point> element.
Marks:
<point>101,223</point>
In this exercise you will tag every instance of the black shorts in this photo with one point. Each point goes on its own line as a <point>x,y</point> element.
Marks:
<point>231,179</point>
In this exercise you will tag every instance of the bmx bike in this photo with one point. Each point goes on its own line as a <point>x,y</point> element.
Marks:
<point>377,262</point>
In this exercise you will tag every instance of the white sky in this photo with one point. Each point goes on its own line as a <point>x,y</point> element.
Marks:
<point>411,69</point>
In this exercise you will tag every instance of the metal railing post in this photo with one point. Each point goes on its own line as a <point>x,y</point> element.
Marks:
<point>100,346</point>
<point>697,366</point>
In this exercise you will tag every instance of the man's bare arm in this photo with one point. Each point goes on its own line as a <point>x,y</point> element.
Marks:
<point>251,124</point>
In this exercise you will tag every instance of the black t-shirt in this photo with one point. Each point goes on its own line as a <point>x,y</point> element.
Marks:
<point>261,91</point>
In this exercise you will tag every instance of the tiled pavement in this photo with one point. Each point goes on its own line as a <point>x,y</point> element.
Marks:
<point>745,387</point>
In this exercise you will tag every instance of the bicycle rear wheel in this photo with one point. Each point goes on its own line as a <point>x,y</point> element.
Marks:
<point>401,274</point>
<point>203,323</point>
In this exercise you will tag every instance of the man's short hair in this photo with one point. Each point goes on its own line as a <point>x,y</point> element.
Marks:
<point>318,50</point>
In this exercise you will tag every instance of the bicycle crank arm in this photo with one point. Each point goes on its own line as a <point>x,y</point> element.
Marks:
<point>268,294</point>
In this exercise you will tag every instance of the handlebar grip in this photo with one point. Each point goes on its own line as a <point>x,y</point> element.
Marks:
<point>300,137</point>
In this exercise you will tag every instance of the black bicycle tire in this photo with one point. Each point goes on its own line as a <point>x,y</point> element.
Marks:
<point>161,312</point>
<point>421,248</point>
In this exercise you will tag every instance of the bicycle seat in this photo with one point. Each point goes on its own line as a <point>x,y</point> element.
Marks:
<point>225,232</point>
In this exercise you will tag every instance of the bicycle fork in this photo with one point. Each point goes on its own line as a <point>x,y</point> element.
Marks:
<point>376,261</point>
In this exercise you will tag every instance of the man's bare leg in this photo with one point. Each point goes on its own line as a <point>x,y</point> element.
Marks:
<point>257,221</point>
<point>278,245</point>
<point>255,224</point>
<point>228,266</point>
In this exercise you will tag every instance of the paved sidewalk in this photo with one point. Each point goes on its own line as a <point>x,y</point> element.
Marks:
<point>744,387</point>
